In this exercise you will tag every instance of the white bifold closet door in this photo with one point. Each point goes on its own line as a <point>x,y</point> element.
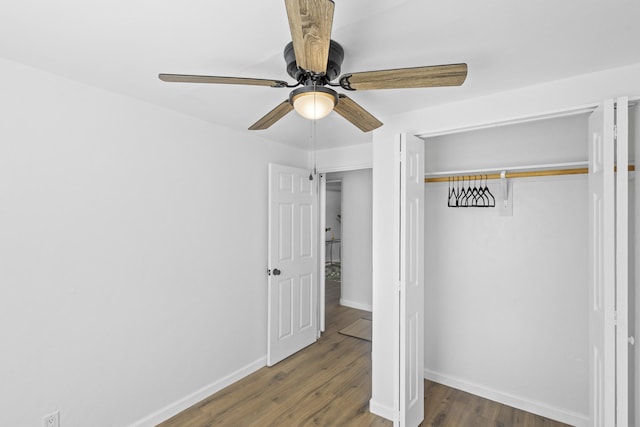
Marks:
<point>608,260</point>
<point>411,276</point>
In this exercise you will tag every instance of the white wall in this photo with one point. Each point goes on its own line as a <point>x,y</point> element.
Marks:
<point>350,157</point>
<point>587,89</point>
<point>123,289</point>
<point>531,143</point>
<point>506,297</point>
<point>334,202</point>
<point>333,209</point>
<point>357,269</point>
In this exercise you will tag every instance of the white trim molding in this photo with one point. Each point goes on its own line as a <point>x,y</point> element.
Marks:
<point>180,405</point>
<point>584,109</point>
<point>381,410</point>
<point>356,305</point>
<point>538,408</point>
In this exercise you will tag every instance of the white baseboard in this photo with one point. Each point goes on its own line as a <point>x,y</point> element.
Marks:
<point>356,305</point>
<point>195,397</point>
<point>381,410</point>
<point>538,408</point>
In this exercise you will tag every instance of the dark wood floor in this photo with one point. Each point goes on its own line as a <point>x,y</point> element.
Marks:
<point>329,384</point>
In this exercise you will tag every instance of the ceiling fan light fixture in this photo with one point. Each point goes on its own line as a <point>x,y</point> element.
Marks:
<point>313,102</point>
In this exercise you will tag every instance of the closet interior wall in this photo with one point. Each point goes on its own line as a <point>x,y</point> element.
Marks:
<point>355,237</point>
<point>506,296</point>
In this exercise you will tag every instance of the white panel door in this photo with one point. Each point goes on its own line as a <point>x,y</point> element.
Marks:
<point>602,267</point>
<point>411,281</point>
<point>293,263</point>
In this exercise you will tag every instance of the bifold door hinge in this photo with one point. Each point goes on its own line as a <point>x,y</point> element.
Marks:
<point>615,317</point>
<point>615,132</point>
<point>268,272</point>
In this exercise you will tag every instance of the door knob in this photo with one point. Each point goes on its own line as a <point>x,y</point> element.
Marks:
<point>276,272</point>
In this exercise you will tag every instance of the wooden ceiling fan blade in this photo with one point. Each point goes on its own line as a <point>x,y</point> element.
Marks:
<point>272,116</point>
<point>310,22</point>
<point>185,78</point>
<point>431,76</point>
<point>357,115</point>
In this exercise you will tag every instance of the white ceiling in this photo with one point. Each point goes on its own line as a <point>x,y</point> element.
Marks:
<point>122,45</point>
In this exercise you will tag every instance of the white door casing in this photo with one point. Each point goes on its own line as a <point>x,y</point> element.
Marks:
<point>293,262</point>
<point>602,267</point>
<point>322,181</point>
<point>411,277</point>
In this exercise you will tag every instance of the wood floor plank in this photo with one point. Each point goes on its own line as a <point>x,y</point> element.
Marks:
<point>505,417</point>
<point>329,384</point>
<point>361,328</point>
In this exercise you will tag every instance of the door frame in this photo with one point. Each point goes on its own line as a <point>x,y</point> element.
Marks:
<point>587,108</point>
<point>322,223</point>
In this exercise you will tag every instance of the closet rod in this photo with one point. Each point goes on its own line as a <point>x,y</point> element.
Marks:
<point>523,174</point>
<point>497,169</point>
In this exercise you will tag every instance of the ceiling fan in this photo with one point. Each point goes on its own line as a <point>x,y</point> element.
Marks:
<point>314,61</point>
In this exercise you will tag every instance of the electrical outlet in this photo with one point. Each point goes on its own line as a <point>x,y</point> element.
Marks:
<point>51,420</point>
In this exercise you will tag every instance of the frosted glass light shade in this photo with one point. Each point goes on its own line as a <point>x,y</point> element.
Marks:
<point>314,104</point>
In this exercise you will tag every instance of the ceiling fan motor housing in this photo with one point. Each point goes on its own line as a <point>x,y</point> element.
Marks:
<point>334,64</point>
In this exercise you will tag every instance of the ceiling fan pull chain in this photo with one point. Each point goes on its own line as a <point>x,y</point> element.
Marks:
<point>314,130</point>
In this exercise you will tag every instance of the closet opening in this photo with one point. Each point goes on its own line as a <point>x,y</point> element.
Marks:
<point>506,292</point>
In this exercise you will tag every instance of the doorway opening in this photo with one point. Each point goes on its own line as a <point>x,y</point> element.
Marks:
<point>332,237</point>
<point>346,240</point>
